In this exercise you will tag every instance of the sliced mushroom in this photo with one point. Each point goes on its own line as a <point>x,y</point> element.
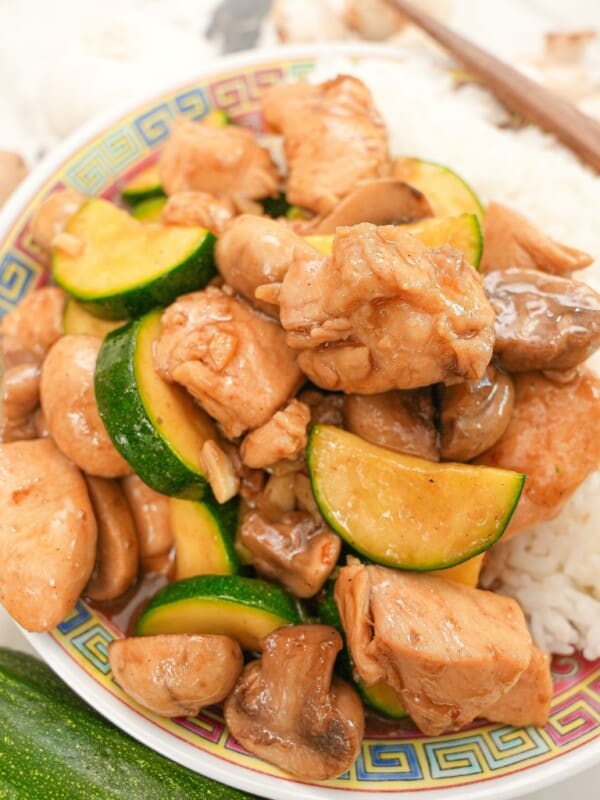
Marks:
<point>474,415</point>
<point>117,554</point>
<point>151,514</point>
<point>52,215</point>
<point>512,241</point>
<point>69,403</point>
<point>298,551</point>
<point>326,408</point>
<point>543,322</point>
<point>175,674</point>
<point>289,709</point>
<point>385,201</point>
<point>401,421</point>
<point>47,533</point>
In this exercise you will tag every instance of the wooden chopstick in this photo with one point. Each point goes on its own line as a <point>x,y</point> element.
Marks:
<point>576,130</point>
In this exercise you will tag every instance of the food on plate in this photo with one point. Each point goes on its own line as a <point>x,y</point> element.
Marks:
<point>176,675</point>
<point>290,708</point>
<point>294,439</point>
<point>404,511</point>
<point>119,267</point>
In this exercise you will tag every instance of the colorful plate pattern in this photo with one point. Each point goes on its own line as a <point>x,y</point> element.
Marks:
<point>402,761</point>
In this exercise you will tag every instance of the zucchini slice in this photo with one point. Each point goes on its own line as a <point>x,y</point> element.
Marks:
<point>143,186</point>
<point>467,572</point>
<point>204,534</point>
<point>77,320</point>
<point>125,268</point>
<point>244,608</point>
<point>462,232</point>
<point>448,194</point>
<point>406,512</point>
<point>156,426</point>
<point>149,210</point>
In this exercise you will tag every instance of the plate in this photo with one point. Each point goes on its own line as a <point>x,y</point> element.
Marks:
<point>485,761</point>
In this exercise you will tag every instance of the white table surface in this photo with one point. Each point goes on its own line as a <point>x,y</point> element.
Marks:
<point>507,28</point>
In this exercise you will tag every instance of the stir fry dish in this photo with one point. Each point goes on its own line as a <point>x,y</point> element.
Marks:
<point>276,421</point>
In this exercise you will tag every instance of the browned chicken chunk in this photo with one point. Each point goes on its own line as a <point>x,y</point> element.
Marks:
<point>289,709</point>
<point>298,551</point>
<point>283,436</point>
<point>20,397</point>
<point>512,241</point>
<point>385,312</point>
<point>47,533</point>
<point>449,650</point>
<point>254,251</point>
<point>221,161</point>
<point>198,208</point>
<point>474,414</point>
<point>334,137</point>
<point>543,322</point>
<point>528,701</point>
<point>554,438</point>
<point>117,552</point>
<point>69,404</point>
<point>30,330</point>
<point>51,216</point>
<point>231,358</point>
<point>175,674</point>
<point>401,421</point>
<point>151,514</point>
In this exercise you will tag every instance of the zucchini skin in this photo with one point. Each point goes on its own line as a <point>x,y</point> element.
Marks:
<point>190,275</point>
<point>119,402</point>
<point>54,746</point>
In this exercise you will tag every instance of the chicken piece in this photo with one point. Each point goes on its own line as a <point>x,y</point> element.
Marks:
<point>117,552</point>
<point>283,436</point>
<point>232,359</point>
<point>201,158</point>
<point>30,329</point>
<point>334,138</point>
<point>449,650</point>
<point>50,217</point>
<point>543,322</point>
<point>400,421</point>
<point>20,397</point>
<point>299,552</point>
<point>325,409</point>
<point>289,709</point>
<point>554,438</point>
<point>175,674</point>
<point>47,534</point>
<point>474,415</point>
<point>151,515</point>
<point>69,405</point>
<point>198,209</point>
<point>512,241</point>
<point>385,312</point>
<point>254,251</point>
<point>528,701</point>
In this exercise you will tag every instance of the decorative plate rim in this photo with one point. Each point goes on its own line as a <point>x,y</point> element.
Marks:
<point>517,782</point>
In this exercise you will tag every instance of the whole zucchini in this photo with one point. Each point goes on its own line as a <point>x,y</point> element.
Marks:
<point>54,746</point>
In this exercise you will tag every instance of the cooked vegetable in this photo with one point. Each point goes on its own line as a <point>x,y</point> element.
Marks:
<point>76,320</point>
<point>155,425</point>
<point>149,210</point>
<point>383,503</point>
<point>124,268</point>
<point>462,232</point>
<point>55,746</point>
<point>204,533</point>
<point>447,192</point>
<point>244,608</point>
<point>143,186</point>
<point>467,572</point>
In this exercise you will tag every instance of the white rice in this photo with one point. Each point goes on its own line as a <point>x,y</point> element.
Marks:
<point>553,570</point>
